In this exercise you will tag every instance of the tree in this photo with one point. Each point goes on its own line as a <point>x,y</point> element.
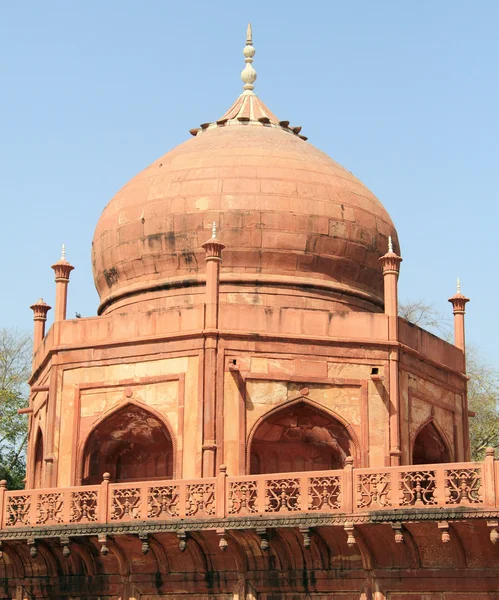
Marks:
<point>483,399</point>
<point>483,385</point>
<point>427,317</point>
<point>15,368</point>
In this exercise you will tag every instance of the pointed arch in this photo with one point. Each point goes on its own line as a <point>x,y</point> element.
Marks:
<point>320,436</point>
<point>131,441</point>
<point>430,444</point>
<point>38,460</point>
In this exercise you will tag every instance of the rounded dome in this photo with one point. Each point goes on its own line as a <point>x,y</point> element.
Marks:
<point>286,212</point>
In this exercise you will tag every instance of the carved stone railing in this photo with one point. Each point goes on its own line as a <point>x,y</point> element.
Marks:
<point>422,487</point>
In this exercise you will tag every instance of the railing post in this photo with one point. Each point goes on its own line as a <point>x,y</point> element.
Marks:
<point>144,499</point>
<point>66,506</point>
<point>221,492</point>
<point>395,479</point>
<point>348,486</point>
<point>33,506</point>
<point>260,497</point>
<point>3,490</point>
<point>104,498</point>
<point>182,499</point>
<point>488,479</point>
<point>303,502</point>
<point>440,485</point>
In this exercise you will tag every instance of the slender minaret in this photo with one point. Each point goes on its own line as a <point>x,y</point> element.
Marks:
<point>62,270</point>
<point>458,302</point>
<point>391,267</point>
<point>40,310</point>
<point>213,248</point>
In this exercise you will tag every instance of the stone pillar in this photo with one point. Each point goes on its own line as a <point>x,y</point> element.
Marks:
<point>62,270</point>
<point>40,310</point>
<point>458,302</point>
<point>213,248</point>
<point>391,268</point>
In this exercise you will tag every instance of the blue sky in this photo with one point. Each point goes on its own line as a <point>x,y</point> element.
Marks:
<point>403,94</point>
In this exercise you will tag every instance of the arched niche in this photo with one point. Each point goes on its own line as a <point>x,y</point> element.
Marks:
<point>132,444</point>
<point>38,470</point>
<point>299,437</point>
<point>429,446</point>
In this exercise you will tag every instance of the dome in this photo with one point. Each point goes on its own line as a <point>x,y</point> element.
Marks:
<point>289,216</point>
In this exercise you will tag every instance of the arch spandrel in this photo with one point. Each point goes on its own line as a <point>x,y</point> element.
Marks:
<point>430,444</point>
<point>318,431</point>
<point>128,437</point>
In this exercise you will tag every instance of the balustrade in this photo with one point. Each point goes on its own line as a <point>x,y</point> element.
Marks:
<point>346,491</point>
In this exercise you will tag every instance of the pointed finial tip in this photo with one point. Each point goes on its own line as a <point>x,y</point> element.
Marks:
<point>214,230</point>
<point>458,285</point>
<point>63,252</point>
<point>390,244</point>
<point>248,74</point>
<point>249,35</point>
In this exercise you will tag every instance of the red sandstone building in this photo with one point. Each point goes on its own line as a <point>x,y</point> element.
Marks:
<point>247,417</point>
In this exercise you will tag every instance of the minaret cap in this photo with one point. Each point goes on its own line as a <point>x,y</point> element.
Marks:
<point>213,247</point>
<point>248,74</point>
<point>40,310</point>
<point>62,268</point>
<point>390,261</point>
<point>458,301</point>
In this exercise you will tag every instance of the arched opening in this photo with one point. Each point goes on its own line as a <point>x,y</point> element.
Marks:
<point>299,438</point>
<point>132,445</point>
<point>38,469</point>
<point>429,447</point>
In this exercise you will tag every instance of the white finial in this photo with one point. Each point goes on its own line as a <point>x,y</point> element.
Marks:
<point>214,230</point>
<point>63,252</point>
<point>390,244</point>
<point>248,74</point>
<point>458,285</point>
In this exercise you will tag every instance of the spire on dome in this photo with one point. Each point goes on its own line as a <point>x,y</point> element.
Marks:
<point>63,252</point>
<point>248,108</point>
<point>248,74</point>
<point>214,230</point>
<point>390,244</point>
<point>458,285</point>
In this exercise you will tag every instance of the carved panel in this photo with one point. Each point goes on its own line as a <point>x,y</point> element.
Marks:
<point>49,508</point>
<point>282,495</point>
<point>162,501</point>
<point>18,508</point>
<point>324,493</point>
<point>243,497</point>
<point>83,507</point>
<point>125,504</point>
<point>463,486</point>
<point>373,490</point>
<point>417,488</point>
<point>200,499</point>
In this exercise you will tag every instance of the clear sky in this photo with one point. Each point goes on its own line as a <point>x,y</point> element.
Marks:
<point>403,94</point>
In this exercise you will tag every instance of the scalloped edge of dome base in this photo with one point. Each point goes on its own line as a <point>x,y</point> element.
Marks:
<point>246,279</point>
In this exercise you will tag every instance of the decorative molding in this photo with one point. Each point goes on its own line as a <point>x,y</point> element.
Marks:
<point>298,521</point>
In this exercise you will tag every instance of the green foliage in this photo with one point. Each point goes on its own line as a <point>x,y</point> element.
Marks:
<point>483,400</point>
<point>15,367</point>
